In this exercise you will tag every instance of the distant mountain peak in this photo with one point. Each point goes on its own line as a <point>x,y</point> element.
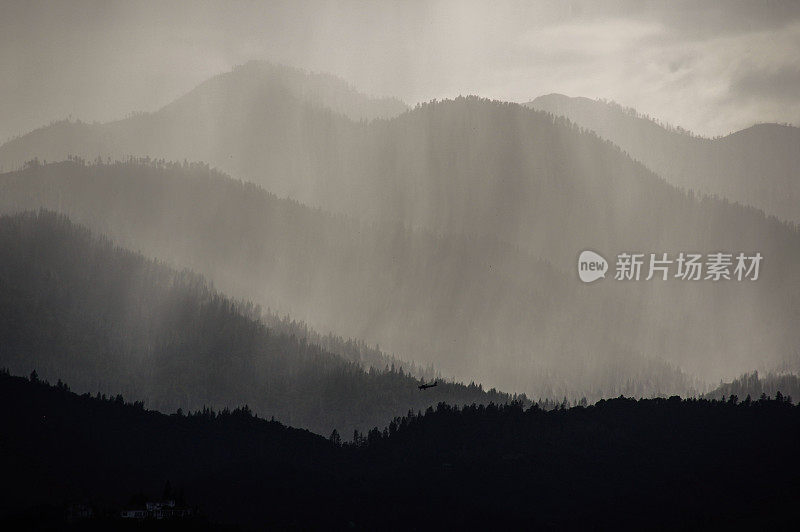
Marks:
<point>758,166</point>
<point>557,96</point>
<point>318,88</point>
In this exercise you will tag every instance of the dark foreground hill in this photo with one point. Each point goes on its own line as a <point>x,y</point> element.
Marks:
<point>75,307</point>
<point>648,464</point>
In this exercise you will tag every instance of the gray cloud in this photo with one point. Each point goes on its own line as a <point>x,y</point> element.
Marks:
<point>781,84</point>
<point>685,62</point>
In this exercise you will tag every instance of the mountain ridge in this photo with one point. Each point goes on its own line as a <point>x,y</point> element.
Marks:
<point>514,184</point>
<point>79,308</point>
<point>310,264</point>
<point>755,166</point>
<point>426,467</point>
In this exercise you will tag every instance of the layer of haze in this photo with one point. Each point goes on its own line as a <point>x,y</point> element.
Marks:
<point>711,67</point>
<point>448,233</point>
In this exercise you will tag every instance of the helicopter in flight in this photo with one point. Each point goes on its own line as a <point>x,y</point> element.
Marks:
<point>424,386</point>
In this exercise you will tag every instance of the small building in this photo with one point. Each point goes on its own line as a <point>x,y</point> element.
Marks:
<point>138,513</point>
<point>158,510</point>
<point>78,512</point>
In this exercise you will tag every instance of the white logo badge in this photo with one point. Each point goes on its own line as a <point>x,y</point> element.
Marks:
<point>591,266</point>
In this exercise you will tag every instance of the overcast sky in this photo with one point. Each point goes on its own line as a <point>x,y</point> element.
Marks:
<point>712,67</point>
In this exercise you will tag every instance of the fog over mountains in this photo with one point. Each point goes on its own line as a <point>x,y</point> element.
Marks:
<point>347,265</point>
<point>455,230</point>
<point>757,166</point>
<point>473,307</point>
<point>108,320</point>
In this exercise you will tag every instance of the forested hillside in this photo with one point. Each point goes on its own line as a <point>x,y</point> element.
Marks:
<point>464,221</point>
<point>352,349</point>
<point>243,295</point>
<point>754,386</point>
<point>467,165</point>
<point>476,308</point>
<point>623,464</point>
<point>758,166</point>
<point>242,89</point>
<point>76,308</point>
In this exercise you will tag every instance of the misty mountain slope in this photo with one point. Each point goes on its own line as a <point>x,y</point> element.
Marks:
<point>352,349</point>
<point>468,166</point>
<point>254,79</point>
<point>543,184</point>
<point>620,464</point>
<point>753,385</point>
<point>230,119</point>
<point>758,166</point>
<point>498,184</point>
<point>476,308</point>
<point>105,319</point>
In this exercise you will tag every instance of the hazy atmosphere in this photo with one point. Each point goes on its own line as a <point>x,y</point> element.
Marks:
<point>424,264</point>
<point>711,67</point>
<point>458,218</point>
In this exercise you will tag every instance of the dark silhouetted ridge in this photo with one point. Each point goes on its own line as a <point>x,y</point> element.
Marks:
<point>622,464</point>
